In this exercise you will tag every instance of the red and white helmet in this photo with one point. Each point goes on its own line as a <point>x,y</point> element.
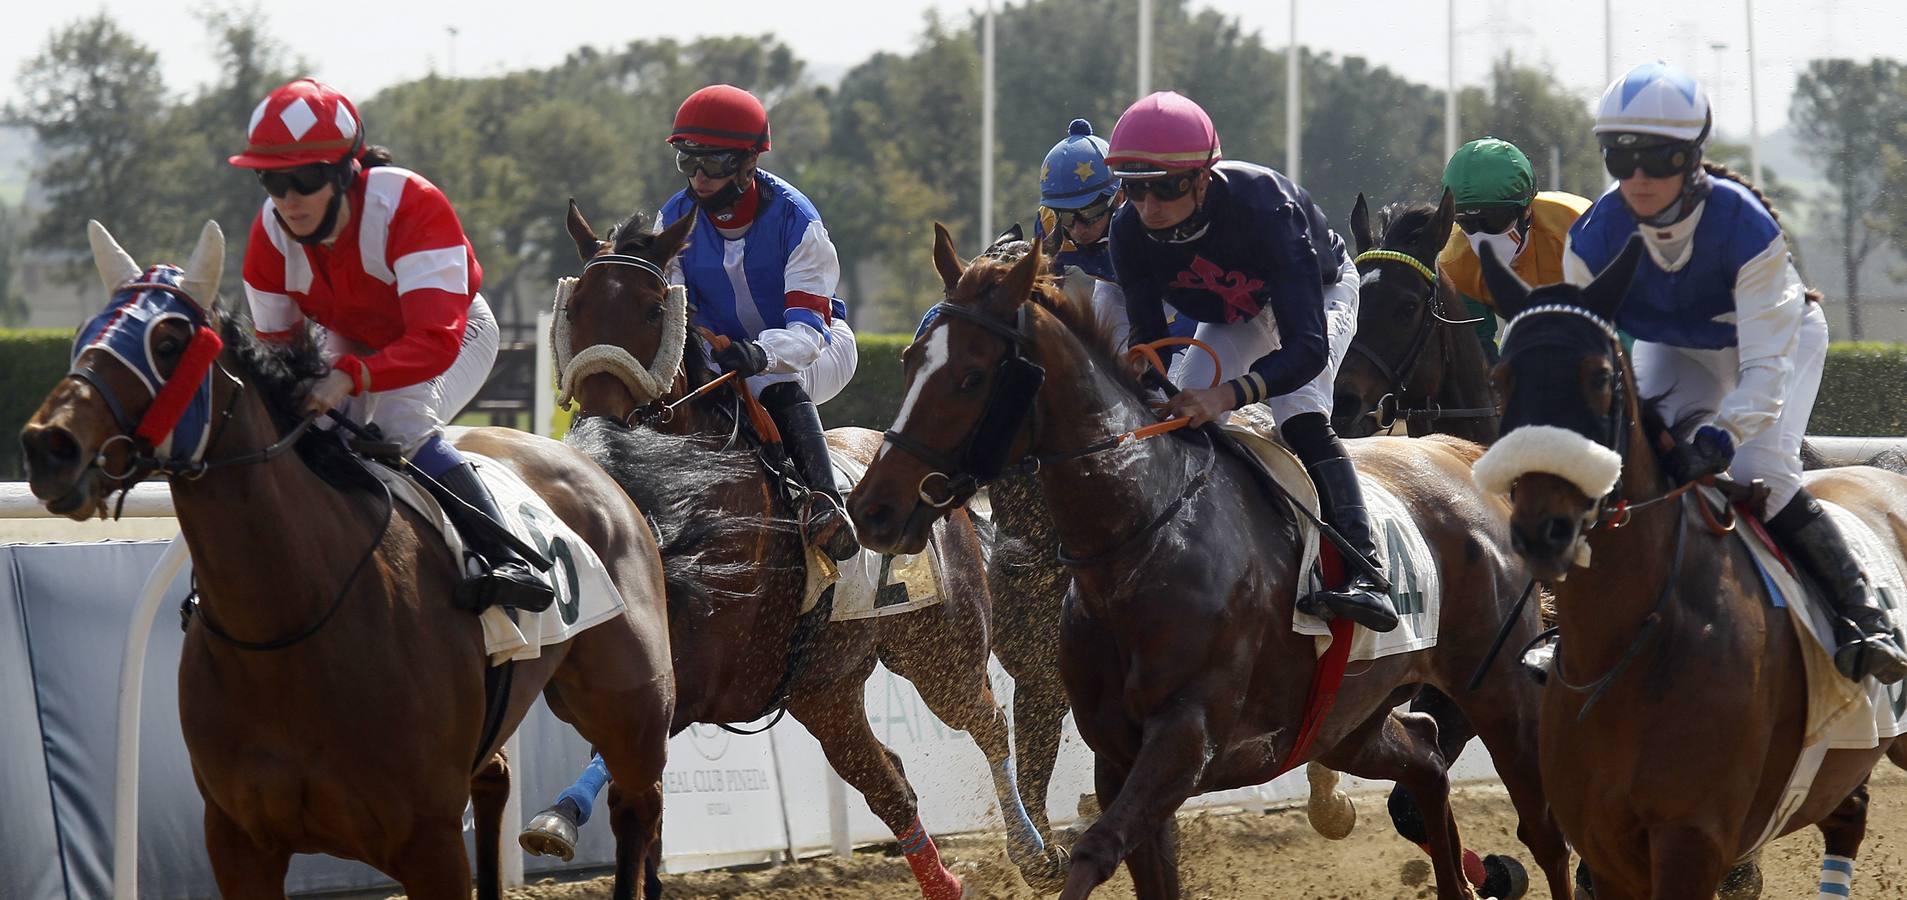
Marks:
<point>1164,132</point>
<point>722,115</point>
<point>301,123</point>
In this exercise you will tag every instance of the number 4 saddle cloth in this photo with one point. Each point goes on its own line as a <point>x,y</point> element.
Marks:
<point>585,595</point>
<point>1416,586</point>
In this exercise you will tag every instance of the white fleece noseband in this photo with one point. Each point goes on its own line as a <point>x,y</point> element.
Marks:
<point>1590,466</point>
<point>644,383</point>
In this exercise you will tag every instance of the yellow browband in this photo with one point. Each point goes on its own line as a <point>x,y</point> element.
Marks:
<point>1404,258</point>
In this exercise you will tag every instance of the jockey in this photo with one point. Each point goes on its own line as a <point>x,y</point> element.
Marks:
<point>409,338</point>
<point>1497,203</point>
<point>761,272</point>
<point>1243,250</point>
<point>1725,331</point>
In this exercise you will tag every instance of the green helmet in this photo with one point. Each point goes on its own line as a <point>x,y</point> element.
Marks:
<point>1489,172</point>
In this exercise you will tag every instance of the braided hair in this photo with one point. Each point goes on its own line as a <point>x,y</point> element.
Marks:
<point>1717,170</point>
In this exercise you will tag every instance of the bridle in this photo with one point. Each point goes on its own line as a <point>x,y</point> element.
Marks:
<point>1397,378</point>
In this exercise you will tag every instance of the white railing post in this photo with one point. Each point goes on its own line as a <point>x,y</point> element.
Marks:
<point>132,668</point>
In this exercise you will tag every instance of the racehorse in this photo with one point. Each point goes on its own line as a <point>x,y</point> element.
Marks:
<point>1662,774</point>
<point>1176,649</point>
<point>1414,357</point>
<point>735,558</point>
<point>331,698</point>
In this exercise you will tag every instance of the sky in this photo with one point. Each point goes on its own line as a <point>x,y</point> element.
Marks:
<point>362,52</point>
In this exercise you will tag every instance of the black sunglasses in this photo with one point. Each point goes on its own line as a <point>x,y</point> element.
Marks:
<point>1660,161</point>
<point>1167,188</point>
<point>1489,220</point>
<point>1085,215</point>
<point>717,164</point>
<point>306,180</point>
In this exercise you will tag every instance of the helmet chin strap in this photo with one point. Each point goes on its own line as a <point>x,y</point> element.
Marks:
<point>727,196</point>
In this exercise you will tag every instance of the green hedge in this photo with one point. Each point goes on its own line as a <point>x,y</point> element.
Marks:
<point>31,361</point>
<point>874,396</point>
<point>1863,391</point>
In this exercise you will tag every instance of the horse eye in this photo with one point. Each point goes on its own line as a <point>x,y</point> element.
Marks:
<point>972,380</point>
<point>655,314</point>
<point>168,346</point>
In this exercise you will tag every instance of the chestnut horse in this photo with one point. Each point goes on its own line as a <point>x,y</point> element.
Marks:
<point>734,558</point>
<point>331,698</point>
<point>1177,651</point>
<point>1674,716</point>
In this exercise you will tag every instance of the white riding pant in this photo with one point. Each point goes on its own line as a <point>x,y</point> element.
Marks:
<point>1239,344</point>
<point>414,414</point>
<point>1693,382</point>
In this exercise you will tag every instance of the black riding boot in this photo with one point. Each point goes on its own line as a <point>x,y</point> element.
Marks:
<point>508,581</point>
<point>1341,501</point>
<point>1865,640</point>
<point>827,526</point>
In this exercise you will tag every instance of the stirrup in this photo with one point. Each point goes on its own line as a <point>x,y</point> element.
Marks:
<point>836,535</point>
<point>511,585</point>
<point>1375,612</point>
<point>1871,656</point>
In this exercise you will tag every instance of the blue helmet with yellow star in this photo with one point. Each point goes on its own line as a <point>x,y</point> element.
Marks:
<point>1075,173</point>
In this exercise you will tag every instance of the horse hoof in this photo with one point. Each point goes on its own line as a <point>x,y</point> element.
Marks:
<point>1330,811</point>
<point>550,833</point>
<point>1045,872</point>
<point>1504,878</point>
<point>1743,882</point>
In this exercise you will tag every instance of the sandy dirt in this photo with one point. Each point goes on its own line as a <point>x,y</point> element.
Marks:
<point>1237,855</point>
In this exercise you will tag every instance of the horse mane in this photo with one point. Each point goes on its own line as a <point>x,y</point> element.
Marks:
<point>671,478</point>
<point>1402,224</point>
<point>280,374</point>
<point>635,233</point>
<point>1077,316</point>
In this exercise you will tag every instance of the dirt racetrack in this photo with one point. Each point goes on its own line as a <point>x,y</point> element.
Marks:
<point>1237,856</point>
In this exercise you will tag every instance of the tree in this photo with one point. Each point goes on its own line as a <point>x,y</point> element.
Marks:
<point>94,99</point>
<point>1850,111</point>
<point>1529,108</point>
<point>13,308</point>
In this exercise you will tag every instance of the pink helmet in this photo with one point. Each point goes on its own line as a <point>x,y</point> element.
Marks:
<point>1163,133</point>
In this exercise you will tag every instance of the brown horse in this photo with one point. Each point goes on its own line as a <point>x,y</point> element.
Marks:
<point>1176,644</point>
<point>735,565</point>
<point>331,698</point>
<point>1662,774</point>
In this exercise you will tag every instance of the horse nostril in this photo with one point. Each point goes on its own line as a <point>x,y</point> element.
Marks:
<point>49,447</point>
<point>1559,531</point>
<point>1517,544</point>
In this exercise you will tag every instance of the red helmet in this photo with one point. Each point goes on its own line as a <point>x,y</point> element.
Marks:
<point>303,122</point>
<point>722,115</point>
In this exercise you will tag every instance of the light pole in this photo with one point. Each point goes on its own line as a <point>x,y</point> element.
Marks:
<point>986,127</point>
<point>450,58</point>
<point>1754,104</point>
<point>1145,47</point>
<point>1450,86</point>
<point>1294,103</point>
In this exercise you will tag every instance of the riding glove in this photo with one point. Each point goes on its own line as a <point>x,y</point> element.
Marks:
<point>744,358</point>
<point>1709,451</point>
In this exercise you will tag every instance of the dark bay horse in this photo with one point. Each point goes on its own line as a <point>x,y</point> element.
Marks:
<point>734,559</point>
<point>1414,357</point>
<point>331,698</point>
<point>1675,712</point>
<point>1176,645</point>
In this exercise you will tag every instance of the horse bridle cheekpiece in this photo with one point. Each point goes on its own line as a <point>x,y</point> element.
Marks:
<point>645,383</point>
<point>1398,378</point>
<point>982,457</point>
<point>173,433</point>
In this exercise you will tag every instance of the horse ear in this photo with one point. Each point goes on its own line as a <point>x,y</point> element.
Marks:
<point>671,240</point>
<point>1439,231</point>
<point>1509,292</point>
<point>587,243</point>
<point>1361,224</point>
<point>1605,294</point>
<point>114,263</point>
<point>207,264</point>
<point>1012,235</point>
<point>946,260</point>
<point>1018,284</point>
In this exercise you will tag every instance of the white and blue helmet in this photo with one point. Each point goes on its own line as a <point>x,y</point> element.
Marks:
<point>1655,99</point>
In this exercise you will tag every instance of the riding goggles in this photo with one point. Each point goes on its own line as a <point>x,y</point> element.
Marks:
<point>306,179</point>
<point>1660,161</point>
<point>1167,188</point>
<point>1085,215</point>
<point>714,164</point>
<point>1488,220</point>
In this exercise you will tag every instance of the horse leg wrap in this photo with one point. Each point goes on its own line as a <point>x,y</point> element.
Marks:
<point>1019,826</point>
<point>936,883</point>
<point>1473,870</point>
<point>1837,877</point>
<point>583,793</point>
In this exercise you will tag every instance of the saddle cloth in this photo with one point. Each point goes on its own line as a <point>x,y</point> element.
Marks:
<point>1416,585</point>
<point>1842,715</point>
<point>873,585</point>
<point>585,595</point>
